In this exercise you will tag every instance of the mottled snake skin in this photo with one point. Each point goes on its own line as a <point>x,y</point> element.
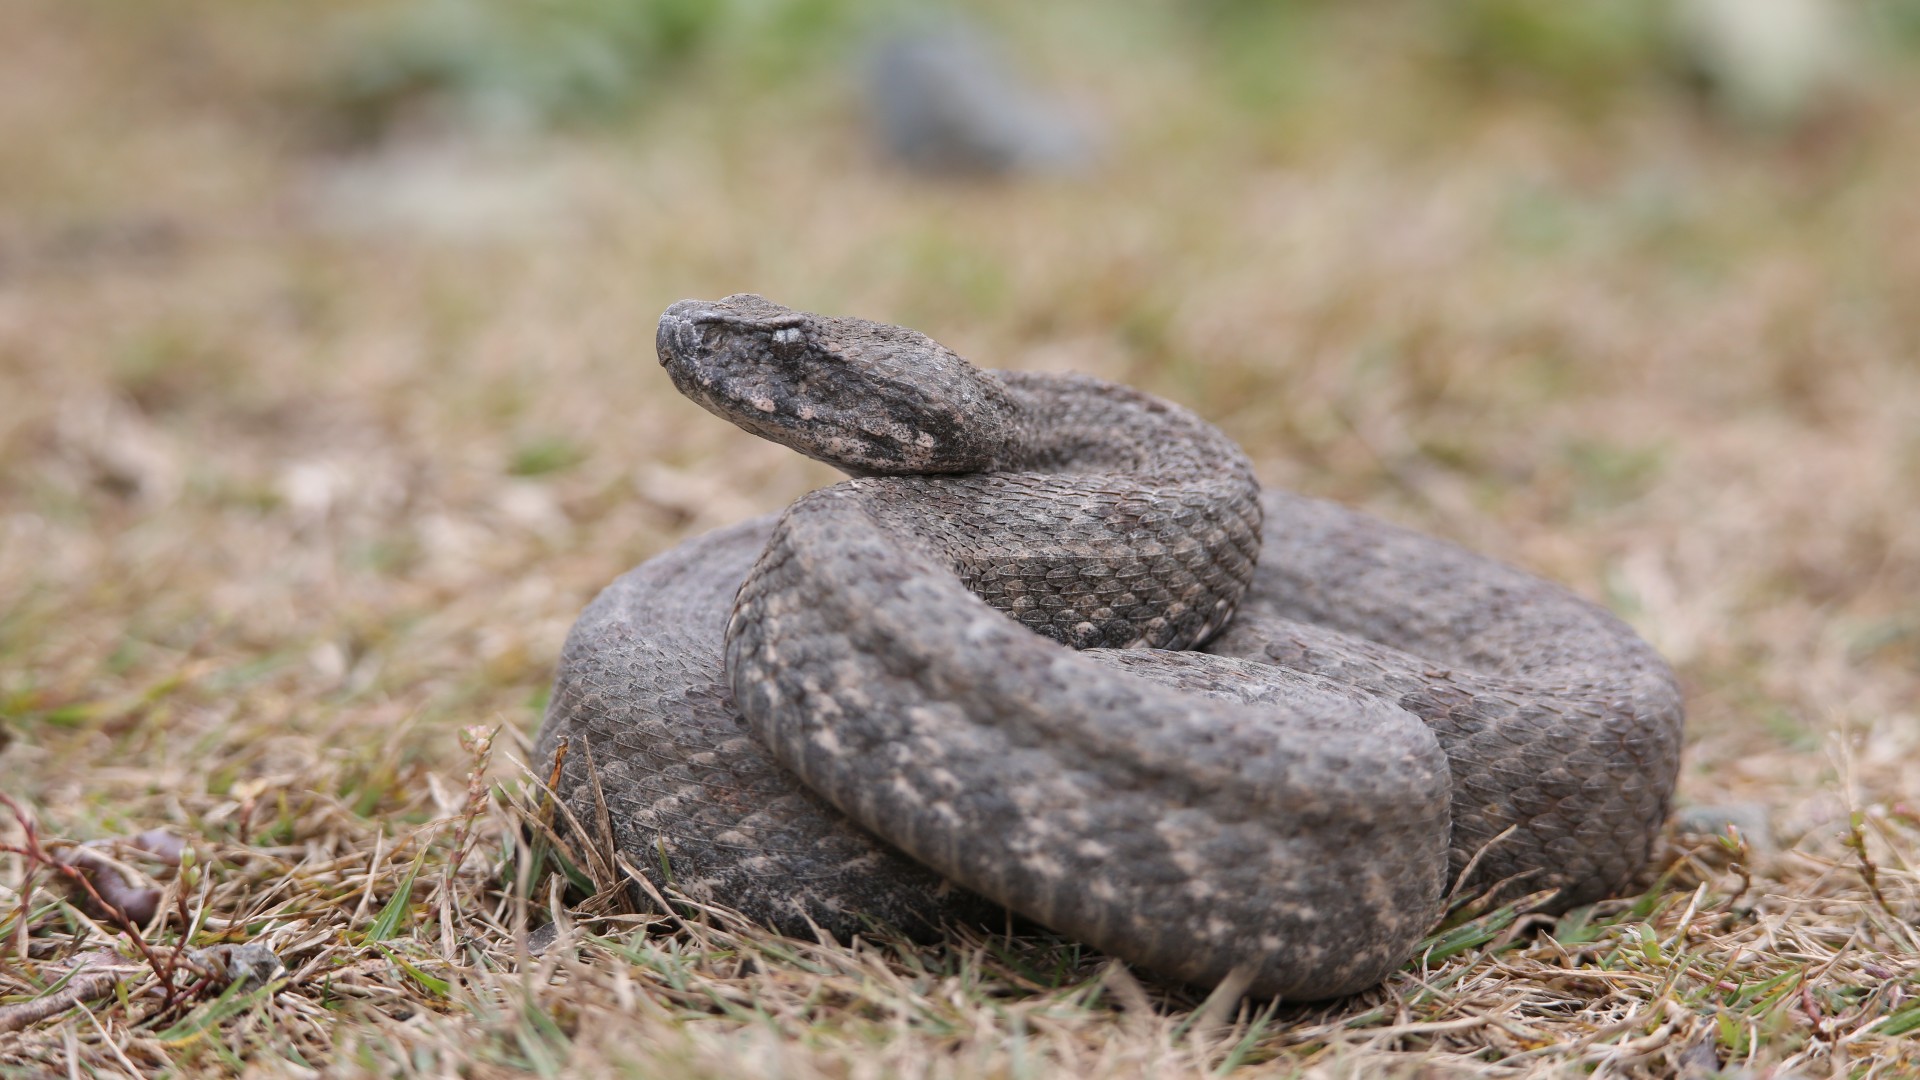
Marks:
<point>972,651</point>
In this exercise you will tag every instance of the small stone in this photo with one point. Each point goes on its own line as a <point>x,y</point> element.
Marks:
<point>1768,64</point>
<point>250,965</point>
<point>541,938</point>
<point>1750,818</point>
<point>944,100</point>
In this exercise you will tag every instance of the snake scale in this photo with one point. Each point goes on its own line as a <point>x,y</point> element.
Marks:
<point>1051,647</point>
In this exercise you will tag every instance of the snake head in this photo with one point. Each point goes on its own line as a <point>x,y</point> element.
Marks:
<point>868,398</point>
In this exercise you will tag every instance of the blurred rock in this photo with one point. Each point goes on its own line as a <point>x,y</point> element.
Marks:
<point>944,100</point>
<point>1767,63</point>
<point>250,966</point>
<point>1751,819</point>
<point>447,190</point>
<point>1699,1060</point>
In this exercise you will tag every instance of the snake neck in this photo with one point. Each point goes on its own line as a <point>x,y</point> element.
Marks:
<point>1077,424</point>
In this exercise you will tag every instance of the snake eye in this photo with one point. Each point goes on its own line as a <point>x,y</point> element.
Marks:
<point>788,343</point>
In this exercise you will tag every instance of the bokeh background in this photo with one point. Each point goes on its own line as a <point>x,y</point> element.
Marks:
<point>328,396</point>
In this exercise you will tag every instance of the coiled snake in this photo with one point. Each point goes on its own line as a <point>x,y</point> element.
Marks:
<point>976,650</point>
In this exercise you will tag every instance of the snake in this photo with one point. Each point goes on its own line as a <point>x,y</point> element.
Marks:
<point>1051,651</point>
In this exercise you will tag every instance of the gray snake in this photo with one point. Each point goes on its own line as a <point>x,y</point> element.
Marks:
<point>968,672</point>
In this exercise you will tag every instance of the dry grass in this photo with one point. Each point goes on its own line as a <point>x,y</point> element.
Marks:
<point>301,490</point>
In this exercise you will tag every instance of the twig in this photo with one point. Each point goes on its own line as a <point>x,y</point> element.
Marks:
<point>1856,842</point>
<point>78,989</point>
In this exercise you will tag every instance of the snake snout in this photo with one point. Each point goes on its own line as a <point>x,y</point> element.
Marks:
<point>679,331</point>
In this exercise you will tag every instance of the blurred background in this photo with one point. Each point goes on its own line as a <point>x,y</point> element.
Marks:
<point>328,397</point>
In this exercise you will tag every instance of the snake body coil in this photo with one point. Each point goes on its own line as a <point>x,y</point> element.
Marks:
<point>976,650</point>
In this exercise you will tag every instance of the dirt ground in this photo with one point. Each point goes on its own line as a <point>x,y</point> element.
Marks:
<point>313,443</point>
